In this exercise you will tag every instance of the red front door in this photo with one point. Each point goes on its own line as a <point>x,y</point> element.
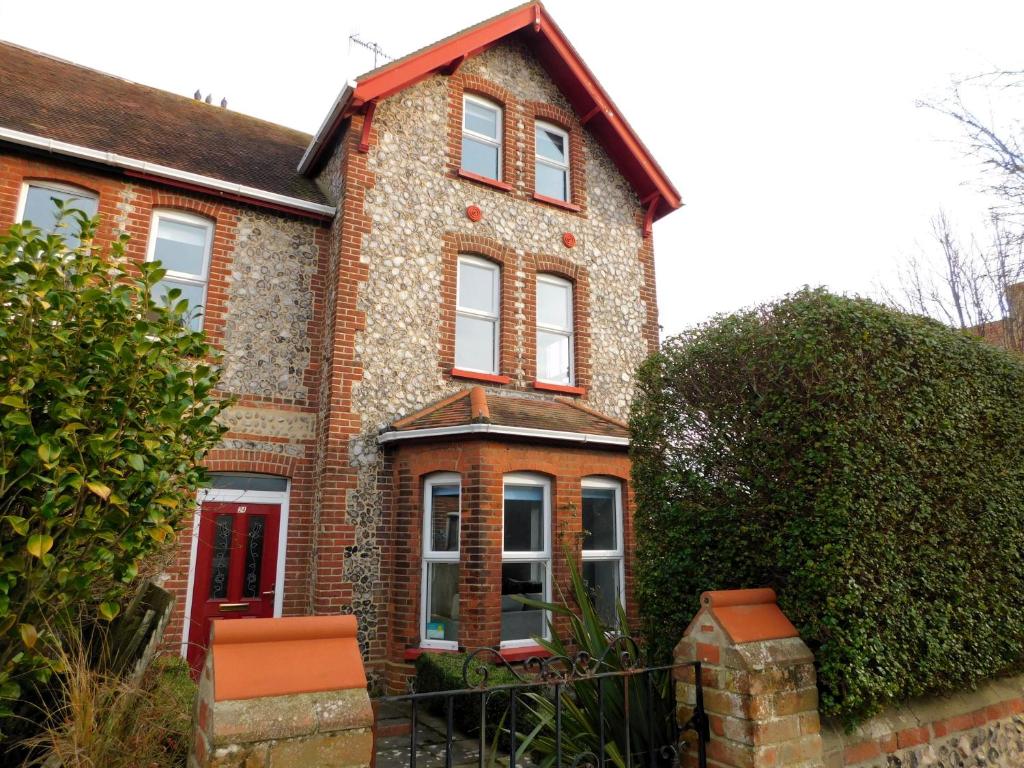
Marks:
<point>236,568</point>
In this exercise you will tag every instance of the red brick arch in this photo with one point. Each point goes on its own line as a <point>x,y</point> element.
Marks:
<point>567,121</point>
<point>458,85</point>
<point>258,462</point>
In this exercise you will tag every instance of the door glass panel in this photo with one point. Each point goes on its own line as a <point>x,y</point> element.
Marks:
<point>248,482</point>
<point>599,529</point>
<point>524,518</point>
<point>254,540</point>
<point>442,601</point>
<point>602,580</point>
<point>519,621</point>
<point>222,530</point>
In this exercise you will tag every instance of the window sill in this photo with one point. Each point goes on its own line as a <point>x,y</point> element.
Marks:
<point>524,652</point>
<point>490,378</point>
<point>504,186</point>
<point>560,388</point>
<point>556,202</point>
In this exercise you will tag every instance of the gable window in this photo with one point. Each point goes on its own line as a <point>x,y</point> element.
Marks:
<point>181,243</point>
<point>441,524</point>
<point>552,161</point>
<point>554,330</point>
<point>526,557</point>
<point>39,208</point>
<point>476,316</point>
<point>481,137</point>
<point>603,569</point>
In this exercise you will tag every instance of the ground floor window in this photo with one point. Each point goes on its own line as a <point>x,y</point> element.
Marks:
<point>526,557</point>
<point>441,525</point>
<point>602,546</point>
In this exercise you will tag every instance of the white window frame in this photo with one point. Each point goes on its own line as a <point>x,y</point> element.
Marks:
<point>483,138</point>
<point>494,317</point>
<point>608,555</point>
<point>191,219</point>
<point>429,556</point>
<point>527,478</point>
<point>568,332</point>
<point>564,167</point>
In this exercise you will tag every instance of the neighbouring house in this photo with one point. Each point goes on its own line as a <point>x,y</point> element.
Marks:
<point>430,313</point>
<point>1007,332</point>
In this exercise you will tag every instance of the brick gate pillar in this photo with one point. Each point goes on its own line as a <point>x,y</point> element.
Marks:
<point>759,686</point>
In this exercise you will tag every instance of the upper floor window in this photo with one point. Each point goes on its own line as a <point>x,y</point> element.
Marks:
<point>441,518</point>
<point>39,207</point>
<point>181,242</point>
<point>552,161</point>
<point>554,330</point>
<point>477,315</point>
<point>526,557</point>
<point>481,137</point>
<point>603,569</point>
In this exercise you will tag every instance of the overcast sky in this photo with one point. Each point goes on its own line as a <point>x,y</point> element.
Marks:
<point>790,128</point>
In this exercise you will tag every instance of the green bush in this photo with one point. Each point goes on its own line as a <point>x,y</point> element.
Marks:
<point>867,464</point>
<point>107,407</point>
<point>443,672</point>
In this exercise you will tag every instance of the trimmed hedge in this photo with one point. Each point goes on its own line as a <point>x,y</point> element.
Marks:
<point>443,672</point>
<point>867,464</point>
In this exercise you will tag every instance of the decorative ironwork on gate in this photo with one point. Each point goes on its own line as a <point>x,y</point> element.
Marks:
<point>624,692</point>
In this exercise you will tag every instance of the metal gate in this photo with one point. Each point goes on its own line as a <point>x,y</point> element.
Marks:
<point>630,718</point>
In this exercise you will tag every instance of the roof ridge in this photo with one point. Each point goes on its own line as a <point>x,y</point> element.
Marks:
<point>137,84</point>
<point>431,408</point>
<point>593,412</point>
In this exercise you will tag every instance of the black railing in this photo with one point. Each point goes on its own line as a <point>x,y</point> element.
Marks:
<point>628,702</point>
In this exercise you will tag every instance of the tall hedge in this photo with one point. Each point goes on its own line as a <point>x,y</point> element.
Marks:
<point>867,464</point>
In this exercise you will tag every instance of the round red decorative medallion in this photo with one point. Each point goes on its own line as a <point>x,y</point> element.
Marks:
<point>569,240</point>
<point>473,213</point>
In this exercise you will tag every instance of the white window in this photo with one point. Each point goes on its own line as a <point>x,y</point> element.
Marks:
<point>552,154</point>
<point>477,315</point>
<point>603,569</point>
<point>181,243</point>
<point>481,137</point>
<point>440,593</point>
<point>554,330</point>
<point>526,558</point>
<point>38,206</point>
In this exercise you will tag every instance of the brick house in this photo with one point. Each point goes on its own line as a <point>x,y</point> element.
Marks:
<point>430,313</point>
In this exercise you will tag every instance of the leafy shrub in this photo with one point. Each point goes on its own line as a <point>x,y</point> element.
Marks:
<point>106,410</point>
<point>868,465</point>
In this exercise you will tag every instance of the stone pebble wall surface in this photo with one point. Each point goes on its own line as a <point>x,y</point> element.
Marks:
<point>412,205</point>
<point>976,729</point>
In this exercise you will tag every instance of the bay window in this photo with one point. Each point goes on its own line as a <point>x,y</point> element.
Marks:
<point>554,330</point>
<point>440,593</point>
<point>182,242</point>
<point>477,322</point>
<point>526,557</point>
<point>603,569</point>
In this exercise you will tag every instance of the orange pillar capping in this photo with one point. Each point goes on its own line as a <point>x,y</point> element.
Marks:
<point>287,691</point>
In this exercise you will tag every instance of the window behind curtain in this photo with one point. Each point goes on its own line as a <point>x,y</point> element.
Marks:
<point>182,244</point>
<point>477,315</point>
<point>481,137</point>
<point>554,330</point>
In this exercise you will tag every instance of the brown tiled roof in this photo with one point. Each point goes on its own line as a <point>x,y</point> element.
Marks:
<point>475,405</point>
<point>53,98</point>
